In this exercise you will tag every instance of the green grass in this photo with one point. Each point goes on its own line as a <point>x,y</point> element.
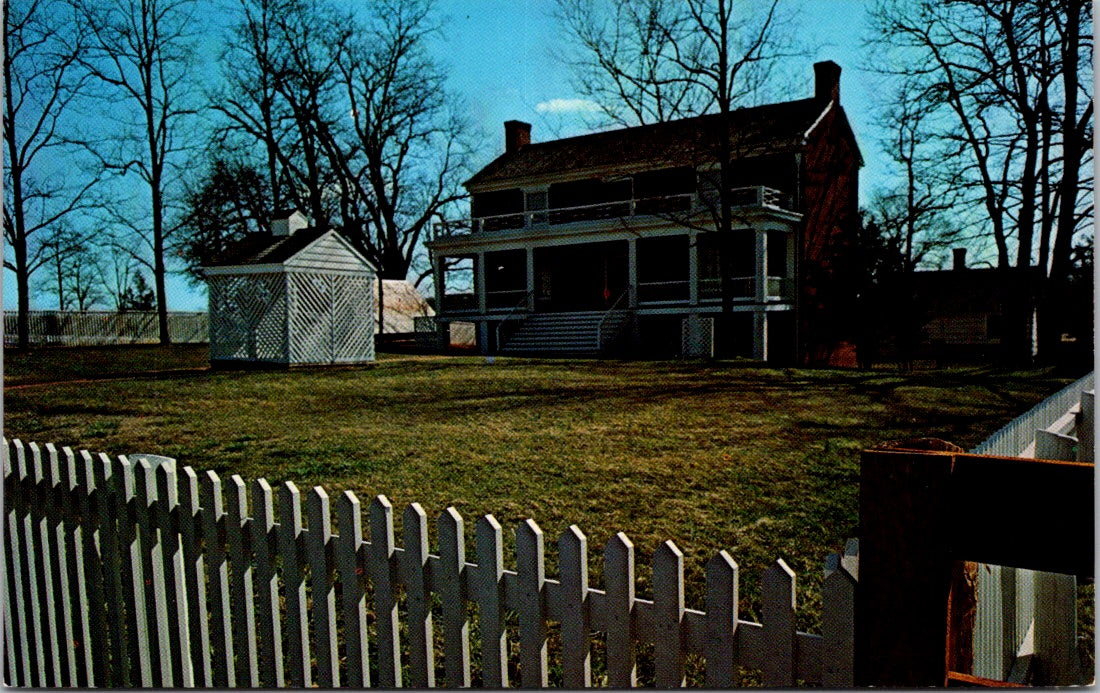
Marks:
<point>761,462</point>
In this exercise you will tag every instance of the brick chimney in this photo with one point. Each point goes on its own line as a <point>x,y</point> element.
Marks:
<point>285,223</point>
<point>959,260</point>
<point>517,135</point>
<point>827,81</point>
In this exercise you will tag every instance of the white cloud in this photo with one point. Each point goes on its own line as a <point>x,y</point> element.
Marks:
<point>567,106</point>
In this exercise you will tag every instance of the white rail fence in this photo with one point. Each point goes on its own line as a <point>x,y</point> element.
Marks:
<point>1025,616</point>
<point>127,572</point>
<point>73,328</point>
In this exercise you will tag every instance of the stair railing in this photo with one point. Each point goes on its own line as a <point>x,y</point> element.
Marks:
<point>515,309</point>
<point>606,315</point>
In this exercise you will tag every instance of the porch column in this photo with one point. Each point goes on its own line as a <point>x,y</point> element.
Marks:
<point>632,271</point>
<point>483,337</point>
<point>759,316</point>
<point>479,283</point>
<point>442,329</point>
<point>437,273</point>
<point>530,279</point>
<point>693,268</point>
<point>761,266</point>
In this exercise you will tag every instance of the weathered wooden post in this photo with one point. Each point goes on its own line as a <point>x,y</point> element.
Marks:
<point>924,507</point>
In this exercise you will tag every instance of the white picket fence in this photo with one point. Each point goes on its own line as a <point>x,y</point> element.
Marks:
<point>125,572</point>
<point>75,328</point>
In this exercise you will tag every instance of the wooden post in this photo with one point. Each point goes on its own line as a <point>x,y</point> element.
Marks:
<point>668,615</point>
<point>904,569</point>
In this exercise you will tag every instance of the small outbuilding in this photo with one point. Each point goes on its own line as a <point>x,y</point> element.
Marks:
<point>297,296</point>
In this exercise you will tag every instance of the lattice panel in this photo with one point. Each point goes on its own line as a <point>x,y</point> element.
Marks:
<point>353,314</point>
<point>697,340</point>
<point>311,318</point>
<point>248,317</point>
<point>332,318</point>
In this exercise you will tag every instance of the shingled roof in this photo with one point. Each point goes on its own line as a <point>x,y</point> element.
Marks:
<point>266,249</point>
<point>773,128</point>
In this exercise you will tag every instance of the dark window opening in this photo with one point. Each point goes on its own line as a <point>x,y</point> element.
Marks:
<point>663,268</point>
<point>505,278</point>
<point>778,171</point>
<point>502,209</point>
<point>598,200</point>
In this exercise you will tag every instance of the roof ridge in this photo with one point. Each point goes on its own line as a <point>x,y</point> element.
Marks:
<point>675,121</point>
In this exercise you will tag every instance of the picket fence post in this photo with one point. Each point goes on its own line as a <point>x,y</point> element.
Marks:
<point>195,566</point>
<point>291,536</point>
<point>668,614</point>
<point>531,563</point>
<point>217,567</point>
<point>618,564</point>
<point>419,597</point>
<point>270,654</point>
<point>383,575</point>
<point>456,625</point>
<point>318,542</point>
<point>721,629</point>
<point>352,565</point>
<point>490,573</point>
<point>576,650</point>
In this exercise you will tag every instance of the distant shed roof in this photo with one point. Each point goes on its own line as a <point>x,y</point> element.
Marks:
<point>772,127</point>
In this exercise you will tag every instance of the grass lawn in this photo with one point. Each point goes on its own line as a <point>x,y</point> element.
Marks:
<point>761,462</point>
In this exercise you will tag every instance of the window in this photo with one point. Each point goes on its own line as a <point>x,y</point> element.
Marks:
<point>536,202</point>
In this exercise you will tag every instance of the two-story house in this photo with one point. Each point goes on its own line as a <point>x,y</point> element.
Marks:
<point>607,243</point>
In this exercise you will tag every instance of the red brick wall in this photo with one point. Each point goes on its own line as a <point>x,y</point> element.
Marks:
<point>830,175</point>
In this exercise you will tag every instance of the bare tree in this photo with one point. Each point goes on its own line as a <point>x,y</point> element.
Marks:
<point>401,159</point>
<point>350,116</point>
<point>74,274</point>
<point>913,214</point>
<point>1007,84</point>
<point>645,61</point>
<point>623,58</point>
<point>42,83</point>
<point>141,53</point>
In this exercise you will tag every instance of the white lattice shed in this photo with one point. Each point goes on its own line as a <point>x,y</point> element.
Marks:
<point>306,297</point>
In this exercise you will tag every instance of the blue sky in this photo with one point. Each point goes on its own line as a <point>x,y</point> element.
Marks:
<point>504,61</point>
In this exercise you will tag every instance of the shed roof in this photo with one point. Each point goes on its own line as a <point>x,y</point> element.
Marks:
<point>772,127</point>
<point>264,249</point>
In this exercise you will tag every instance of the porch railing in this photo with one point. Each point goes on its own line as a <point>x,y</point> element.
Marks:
<point>518,308</point>
<point>744,288</point>
<point>751,196</point>
<point>603,321</point>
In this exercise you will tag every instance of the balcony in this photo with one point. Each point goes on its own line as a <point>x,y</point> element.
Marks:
<point>669,206</point>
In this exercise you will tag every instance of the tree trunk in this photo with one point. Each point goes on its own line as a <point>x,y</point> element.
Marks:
<point>22,287</point>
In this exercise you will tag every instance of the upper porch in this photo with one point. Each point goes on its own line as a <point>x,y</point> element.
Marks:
<point>541,211</point>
